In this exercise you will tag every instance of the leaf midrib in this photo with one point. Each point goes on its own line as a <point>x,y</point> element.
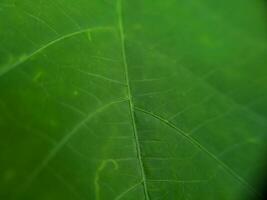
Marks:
<point>131,106</point>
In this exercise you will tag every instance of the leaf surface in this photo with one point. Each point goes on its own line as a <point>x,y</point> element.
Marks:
<point>132,100</point>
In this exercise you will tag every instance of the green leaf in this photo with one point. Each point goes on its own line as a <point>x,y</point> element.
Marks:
<point>141,99</point>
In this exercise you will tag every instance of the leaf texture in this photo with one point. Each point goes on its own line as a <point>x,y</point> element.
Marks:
<point>119,99</point>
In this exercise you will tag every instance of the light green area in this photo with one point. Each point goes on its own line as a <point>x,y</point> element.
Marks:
<point>141,99</point>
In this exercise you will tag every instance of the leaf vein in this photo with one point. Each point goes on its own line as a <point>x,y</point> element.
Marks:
<point>138,148</point>
<point>201,147</point>
<point>8,68</point>
<point>63,141</point>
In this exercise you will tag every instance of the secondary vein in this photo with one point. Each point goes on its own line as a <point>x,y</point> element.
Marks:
<point>6,69</point>
<point>202,148</point>
<point>138,148</point>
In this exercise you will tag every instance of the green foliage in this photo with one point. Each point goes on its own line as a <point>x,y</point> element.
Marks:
<point>132,99</point>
